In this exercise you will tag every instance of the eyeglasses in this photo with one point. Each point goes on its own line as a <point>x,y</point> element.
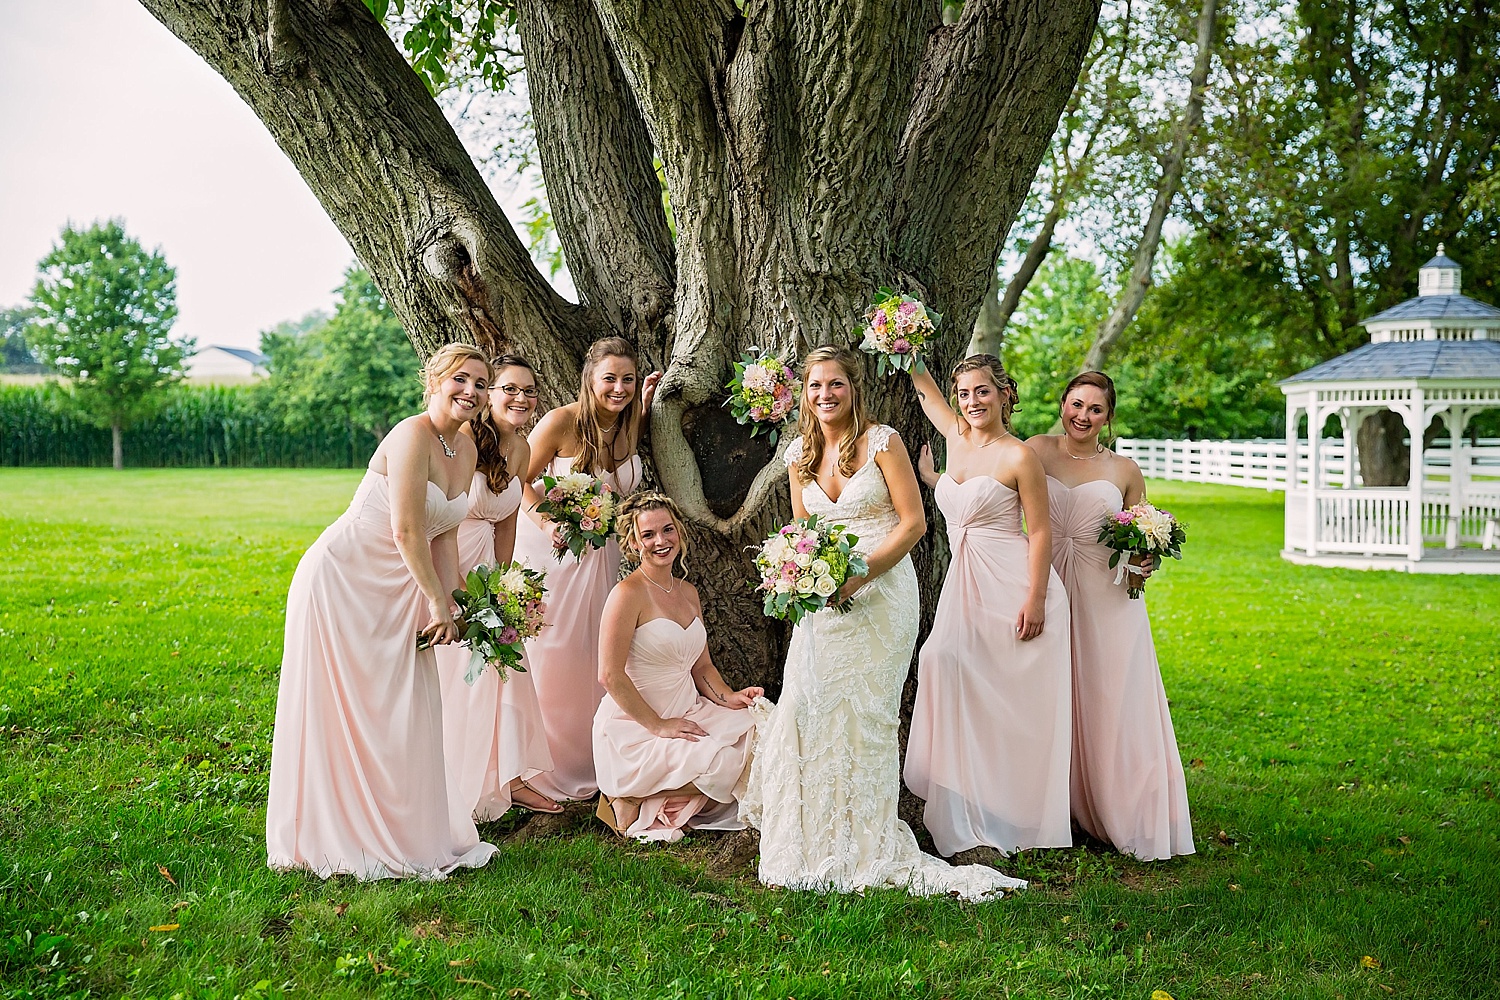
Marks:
<point>530,392</point>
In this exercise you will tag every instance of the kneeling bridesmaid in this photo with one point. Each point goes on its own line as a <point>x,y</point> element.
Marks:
<point>671,740</point>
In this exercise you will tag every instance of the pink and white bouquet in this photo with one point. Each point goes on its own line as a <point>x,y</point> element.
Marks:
<point>803,565</point>
<point>897,331</point>
<point>763,392</point>
<point>1144,530</point>
<point>499,608</point>
<point>583,506</point>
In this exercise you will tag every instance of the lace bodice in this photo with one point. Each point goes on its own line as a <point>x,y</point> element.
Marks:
<point>864,506</point>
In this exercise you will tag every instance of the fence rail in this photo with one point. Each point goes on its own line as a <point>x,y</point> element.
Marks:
<point>1263,463</point>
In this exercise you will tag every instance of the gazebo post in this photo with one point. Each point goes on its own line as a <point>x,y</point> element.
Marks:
<point>1458,472</point>
<point>1314,469</point>
<point>1346,420</point>
<point>1417,422</point>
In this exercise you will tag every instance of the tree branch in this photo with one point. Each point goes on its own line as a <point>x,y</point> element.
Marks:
<point>983,83</point>
<point>400,188</point>
<point>597,161</point>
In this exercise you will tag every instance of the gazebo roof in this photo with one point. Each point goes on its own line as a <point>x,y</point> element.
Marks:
<point>1460,360</point>
<point>1437,307</point>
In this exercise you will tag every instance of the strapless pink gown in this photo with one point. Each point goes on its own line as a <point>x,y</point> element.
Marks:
<point>564,659</point>
<point>492,730</point>
<point>357,775</point>
<point>1128,785</point>
<point>991,731</point>
<point>633,762</point>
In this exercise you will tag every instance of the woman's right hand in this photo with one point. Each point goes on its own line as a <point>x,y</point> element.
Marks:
<point>678,729</point>
<point>442,629</point>
<point>926,467</point>
<point>555,534</point>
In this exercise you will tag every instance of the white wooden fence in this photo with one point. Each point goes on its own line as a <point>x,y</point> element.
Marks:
<point>1263,463</point>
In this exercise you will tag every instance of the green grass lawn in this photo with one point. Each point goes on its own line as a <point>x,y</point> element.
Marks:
<point>1342,729</point>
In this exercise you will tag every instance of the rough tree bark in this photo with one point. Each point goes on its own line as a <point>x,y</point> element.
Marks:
<point>812,153</point>
<point>1134,290</point>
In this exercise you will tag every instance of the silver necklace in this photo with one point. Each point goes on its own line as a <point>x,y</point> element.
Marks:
<point>446,450</point>
<point>1099,450</point>
<point>997,440</point>
<point>664,590</point>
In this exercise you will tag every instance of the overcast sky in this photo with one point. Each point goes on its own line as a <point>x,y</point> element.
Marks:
<point>104,113</point>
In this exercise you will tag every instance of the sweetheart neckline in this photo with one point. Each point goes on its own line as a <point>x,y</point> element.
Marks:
<point>868,462</point>
<point>446,497</point>
<point>1087,483</point>
<point>697,619</point>
<point>973,479</point>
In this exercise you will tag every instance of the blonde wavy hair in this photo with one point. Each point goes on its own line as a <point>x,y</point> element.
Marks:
<point>595,454</point>
<point>1004,384</point>
<point>448,359</point>
<point>812,431</point>
<point>638,503</point>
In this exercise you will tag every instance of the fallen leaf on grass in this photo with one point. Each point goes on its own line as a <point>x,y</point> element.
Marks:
<point>460,961</point>
<point>166,874</point>
<point>166,927</point>
<point>1369,962</point>
<point>1160,995</point>
<point>1236,887</point>
<point>519,994</point>
<point>1224,838</point>
<point>479,982</point>
<point>339,909</point>
<point>180,905</point>
<point>1385,987</point>
<point>1195,763</point>
<point>1403,840</point>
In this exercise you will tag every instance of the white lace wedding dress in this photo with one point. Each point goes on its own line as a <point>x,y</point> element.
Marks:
<point>823,786</point>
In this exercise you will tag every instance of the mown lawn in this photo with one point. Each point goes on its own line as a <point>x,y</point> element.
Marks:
<point>1342,727</point>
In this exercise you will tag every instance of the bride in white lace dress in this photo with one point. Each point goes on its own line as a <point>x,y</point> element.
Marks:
<point>825,778</point>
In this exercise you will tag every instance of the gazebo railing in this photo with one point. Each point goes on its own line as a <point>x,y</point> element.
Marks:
<point>1263,463</point>
<point>1372,521</point>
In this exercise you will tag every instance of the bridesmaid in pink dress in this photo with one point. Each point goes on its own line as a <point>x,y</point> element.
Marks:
<point>492,731</point>
<point>990,736</point>
<point>1128,785</point>
<point>357,778</point>
<point>671,739</point>
<point>598,434</point>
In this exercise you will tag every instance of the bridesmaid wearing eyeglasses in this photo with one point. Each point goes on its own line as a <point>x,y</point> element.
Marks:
<point>493,737</point>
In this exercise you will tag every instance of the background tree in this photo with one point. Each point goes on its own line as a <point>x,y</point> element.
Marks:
<point>16,356</point>
<point>811,153</point>
<point>355,370</point>
<point>104,308</point>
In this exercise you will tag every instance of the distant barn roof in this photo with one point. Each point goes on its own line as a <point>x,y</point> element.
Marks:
<point>1437,307</point>
<point>257,358</point>
<point>1422,359</point>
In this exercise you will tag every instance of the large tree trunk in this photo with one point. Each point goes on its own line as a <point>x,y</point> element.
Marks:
<point>1134,291</point>
<point>117,444</point>
<point>812,153</point>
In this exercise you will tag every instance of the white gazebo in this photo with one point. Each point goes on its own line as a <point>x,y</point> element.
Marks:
<point>1434,357</point>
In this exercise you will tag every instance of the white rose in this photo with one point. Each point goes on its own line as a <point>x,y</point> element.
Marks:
<point>806,584</point>
<point>803,559</point>
<point>819,567</point>
<point>824,586</point>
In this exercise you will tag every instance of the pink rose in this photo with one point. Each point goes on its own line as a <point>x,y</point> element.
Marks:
<point>508,635</point>
<point>588,524</point>
<point>901,346</point>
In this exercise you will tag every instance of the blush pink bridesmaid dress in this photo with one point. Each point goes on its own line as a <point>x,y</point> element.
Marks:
<point>635,763</point>
<point>1128,785</point>
<point>358,784</point>
<point>991,733</point>
<point>492,730</point>
<point>564,658</point>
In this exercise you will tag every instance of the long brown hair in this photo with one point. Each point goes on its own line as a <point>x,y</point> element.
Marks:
<point>632,507</point>
<point>1099,381</point>
<point>812,431</point>
<point>487,433</point>
<point>1004,384</point>
<point>594,453</point>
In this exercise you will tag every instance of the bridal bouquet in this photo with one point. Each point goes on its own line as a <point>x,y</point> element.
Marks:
<point>763,392</point>
<point>803,565</point>
<point>897,329</point>
<point>500,608</point>
<point>1141,529</point>
<point>583,505</point>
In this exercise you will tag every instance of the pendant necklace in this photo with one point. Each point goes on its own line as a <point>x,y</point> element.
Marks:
<point>446,450</point>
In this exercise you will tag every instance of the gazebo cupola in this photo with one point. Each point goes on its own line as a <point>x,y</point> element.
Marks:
<point>1432,358</point>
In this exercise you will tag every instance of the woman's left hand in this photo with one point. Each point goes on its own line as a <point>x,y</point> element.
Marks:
<point>648,389</point>
<point>1032,618</point>
<point>846,592</point>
